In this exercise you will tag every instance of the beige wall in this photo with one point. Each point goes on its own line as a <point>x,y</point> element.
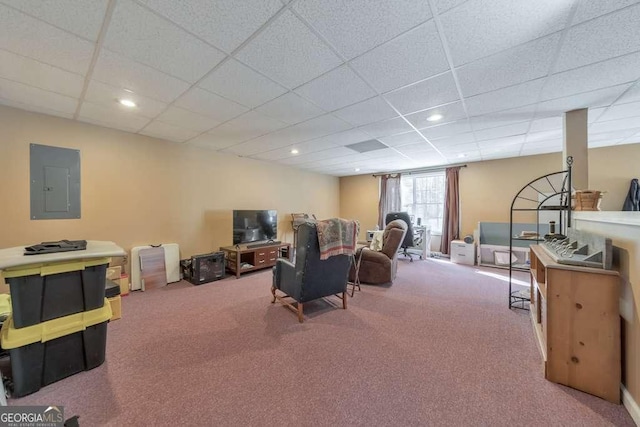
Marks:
<point>138,190</point>
<point>356,196</point>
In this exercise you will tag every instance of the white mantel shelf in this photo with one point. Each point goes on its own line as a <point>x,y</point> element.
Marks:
<point>611,217</point>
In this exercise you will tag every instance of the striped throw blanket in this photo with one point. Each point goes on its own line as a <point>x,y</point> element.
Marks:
<point>337,236</point>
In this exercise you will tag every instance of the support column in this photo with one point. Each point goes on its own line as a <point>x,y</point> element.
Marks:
<point>575,144</point>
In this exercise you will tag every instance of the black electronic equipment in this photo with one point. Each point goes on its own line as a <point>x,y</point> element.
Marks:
<point>203,268</point>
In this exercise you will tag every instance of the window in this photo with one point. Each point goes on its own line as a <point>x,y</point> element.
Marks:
<point>422,196</point>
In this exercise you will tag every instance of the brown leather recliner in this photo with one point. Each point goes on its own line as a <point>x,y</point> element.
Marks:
<point>377,268</point>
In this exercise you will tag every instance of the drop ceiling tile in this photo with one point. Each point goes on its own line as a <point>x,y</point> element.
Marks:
<point>480,28</point>
<point>593,99</point>
<point>547,144</point>
<point>35,39</point>
<point>167,131</point>
<point>83,18</point>
<point>353,27</point>
<point>386,127</point>
<point>124,73</point>
<point>336,89</point>
<point>444,5</point>
<point>509,67</point>
<point>314,128</point>
<point>497,154</point>
<point>208,104</point>
<point>28,107</point>
<point>504,99</point>
<point>141,35</point>
<point>402,139</point>
<point>633,139</point>
<point>595,113</point>
<point>239,83</point>
<point>603,38</point>
<point>334,156</point>
<point>612,72</point>
<point>544,135</point>
<point>347,137</point>
<point>467,156</point>
<point>450,113</point>
<point>385,154</point>
<point>28,71</point>
<point>318,144</point>
<point>414,56</point>
<point>290,108</point>
<point>288,52</point>
<point>112,117</point>
<point>212,142</point>
<point>277,154</point>
<point>29,95</point>
<point>592,9</point>
<point>621,111</point>
<point>428,93</point>
<point>420,147</point>
<point>317,127</point>
<point>614,125</point>
<point>104,94</point>
<point>187,120</point>
<point>631,95</point>
<point>223,23</point>
<point>446,130</point>
<point>453,146</point>
<point>369,111</point>
<point>613,135</point>
<point>506,142</point>
<point>547,123</point>
<point>244,127</point>
<point>502,118</point>
<point>462,139</point>
<point>502,131</point>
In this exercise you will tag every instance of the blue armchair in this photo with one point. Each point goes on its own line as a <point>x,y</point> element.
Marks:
<point>309,278</point>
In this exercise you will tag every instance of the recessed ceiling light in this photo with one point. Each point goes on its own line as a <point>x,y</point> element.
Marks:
<point>434,117</point>
<point>294,151</point>
<point>127,103</point>
<point>357,169</point>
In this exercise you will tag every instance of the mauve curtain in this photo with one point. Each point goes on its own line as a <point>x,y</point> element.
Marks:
<point>389,197</point>
<point>451,217</point>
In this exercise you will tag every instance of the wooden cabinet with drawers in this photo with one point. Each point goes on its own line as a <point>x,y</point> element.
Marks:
<point>242,258</point>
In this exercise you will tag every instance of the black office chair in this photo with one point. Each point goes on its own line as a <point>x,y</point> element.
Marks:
<point>408,237</point>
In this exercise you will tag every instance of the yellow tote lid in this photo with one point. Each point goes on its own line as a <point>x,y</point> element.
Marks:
<point>11,337</point>
<point>5,304</point>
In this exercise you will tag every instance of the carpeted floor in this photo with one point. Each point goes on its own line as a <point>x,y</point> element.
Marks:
<point>439,347</point>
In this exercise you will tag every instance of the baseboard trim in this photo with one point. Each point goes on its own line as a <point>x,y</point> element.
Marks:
<point>631,405</point>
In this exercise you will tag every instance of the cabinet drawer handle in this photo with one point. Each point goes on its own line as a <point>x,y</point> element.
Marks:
<point>261,261</point>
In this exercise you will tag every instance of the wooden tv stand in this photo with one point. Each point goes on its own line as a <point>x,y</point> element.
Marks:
<point>242,259</point>
<point>576,322</point>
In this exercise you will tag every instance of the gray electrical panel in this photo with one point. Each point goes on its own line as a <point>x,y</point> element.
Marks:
<point>55,182</point>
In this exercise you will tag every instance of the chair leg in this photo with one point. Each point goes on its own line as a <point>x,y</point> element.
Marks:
<point>300,311</point>
<point>273,292</point>
<point>344,299</point>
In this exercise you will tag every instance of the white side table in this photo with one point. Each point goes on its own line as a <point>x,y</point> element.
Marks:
<point>462,253</point>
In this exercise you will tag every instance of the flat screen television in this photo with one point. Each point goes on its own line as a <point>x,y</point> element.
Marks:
<point>254,226</point>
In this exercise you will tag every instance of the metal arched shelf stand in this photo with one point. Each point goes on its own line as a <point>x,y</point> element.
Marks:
<point>549,195</point>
